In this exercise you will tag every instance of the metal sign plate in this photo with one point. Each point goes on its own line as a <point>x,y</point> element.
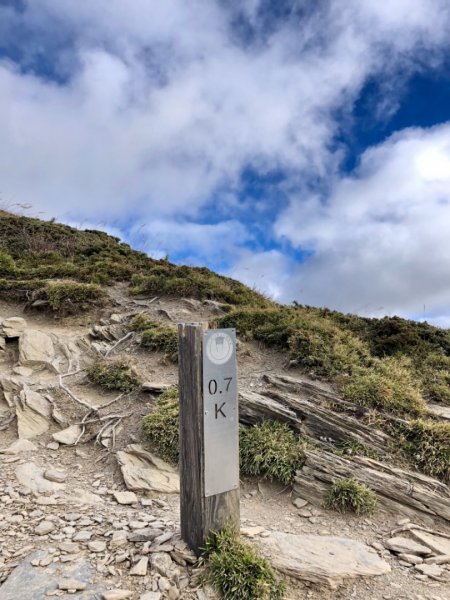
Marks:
<point>220,414</point>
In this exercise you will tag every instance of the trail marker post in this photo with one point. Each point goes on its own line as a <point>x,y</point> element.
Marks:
<point>209,432</point>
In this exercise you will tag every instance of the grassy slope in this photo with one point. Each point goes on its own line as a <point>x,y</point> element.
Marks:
<point>388,365</point>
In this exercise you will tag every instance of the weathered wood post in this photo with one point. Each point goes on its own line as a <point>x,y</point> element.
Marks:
<point>209,431</point>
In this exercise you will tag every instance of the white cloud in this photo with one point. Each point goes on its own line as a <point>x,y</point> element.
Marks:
<point>381,238</point>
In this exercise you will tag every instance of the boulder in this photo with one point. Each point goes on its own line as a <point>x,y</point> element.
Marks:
<point>68,436</point>
<point>142,471</point>
<point>322,559</point>
<point>36,349</point>
<point>14,327</point>
<point>437,543</point>
<point>32,477</point>
<point>33,413</point>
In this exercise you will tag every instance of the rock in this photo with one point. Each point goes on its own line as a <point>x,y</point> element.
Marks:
<point>36,349</point>
<point>32,477</point>
<point>438,544</point>
<point>117,595</point>
<point>55,475</point>
<point>82,536</point>
<point>119,539</point>
<point>44,528</point>
<point>162,564</point>
<point>252,531</point>
<point>23,371</point>
<point>33,413</point>
<point>26,583</point>
<point>97,546</point>
<point>71,584</point>
<point>19,446</point>
<point>299,502</point>
<point>148,534</point>
<point>412,559</point>
<point>68,436</point>
<point>151,596</point>
<point>438,560</point>
<point>14,327</point>
<point>142,471</point>
<point>140,568</point>
<point>403,545</point>
<point>53,446</point>
<point>125,497</point>
<point>319,559</point>
<point>429,570</point>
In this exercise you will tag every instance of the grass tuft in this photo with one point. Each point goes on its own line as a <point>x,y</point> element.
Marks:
<point>348,495</point>
<point>114,375</point>
<point>141,322</point>
<point>270,450</point>
<point>161,427</point>
<point>70,296</point>
<point>236,569</point>
<point>7,264</point>
<point>162,339</point>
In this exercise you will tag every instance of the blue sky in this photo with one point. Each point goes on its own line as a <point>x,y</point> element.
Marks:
<point>302,147</point>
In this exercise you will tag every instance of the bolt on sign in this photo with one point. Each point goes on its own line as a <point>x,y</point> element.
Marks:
<point>220,411</point>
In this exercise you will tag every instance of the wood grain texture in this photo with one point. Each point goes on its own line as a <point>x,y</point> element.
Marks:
<point>199,515</point>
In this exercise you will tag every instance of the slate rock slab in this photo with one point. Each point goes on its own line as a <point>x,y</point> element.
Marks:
<point>33,583</point>
<point>325,560</point>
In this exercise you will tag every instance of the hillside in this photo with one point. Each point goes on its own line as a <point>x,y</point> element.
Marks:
<point>88,373</point>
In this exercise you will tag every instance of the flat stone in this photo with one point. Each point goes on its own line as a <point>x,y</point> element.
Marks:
<point>143,471</point>
<point>36,349</point>
<point>55,475</point>
<point>403,545</point>
<point>430,570</point>
<point>438,544</point>
<point>19,446</point>
<point>252,531</point>
<point>117,594</point>
<point>162,564</point>
<point>299,502</point>
<point>72,584</point>
<point>147,534</point>
<point>14,327</point>
<point>44,528</point>
<point>412,559</point>
<point>97,546</point>
<point>68,436</point>
<point>151,596</point>
<point>442,559</point>
<point>125,497</point>
<point>82,536</point>
<point>26,583</point>
<point>33,414</point>
<point>140,568</point>
<point>32,477</point>
<point>119,539</point>
<point>319,559</point>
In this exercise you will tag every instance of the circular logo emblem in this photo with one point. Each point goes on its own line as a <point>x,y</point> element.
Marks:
<point>219,348</point>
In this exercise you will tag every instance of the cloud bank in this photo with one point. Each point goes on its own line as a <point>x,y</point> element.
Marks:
<point>146,116</point>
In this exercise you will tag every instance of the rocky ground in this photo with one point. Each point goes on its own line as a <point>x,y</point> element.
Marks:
<point>88,513</point>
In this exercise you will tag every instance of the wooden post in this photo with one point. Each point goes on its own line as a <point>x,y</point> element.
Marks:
<point>200,511</point>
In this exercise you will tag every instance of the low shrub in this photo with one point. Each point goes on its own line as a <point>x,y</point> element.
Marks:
<point>162,339</point>
<point>426,444</point>
<point>141,322</point>
<point>114,375</point>
<point>73,296</point>
<point>270,450</point>
<point>348,495</point>
<point>7,264</point>
<point>389,385</point>
<point>236,570</point>
<point>161,427</point>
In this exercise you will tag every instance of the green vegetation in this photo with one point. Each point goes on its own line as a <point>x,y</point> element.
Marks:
<point>114,375</point>
<point>34,250</point>
<point>141,322</point>
<point>70,296</point>
<point>172,280</point>
<point>271,451</point>
<point>236,570</point>
<point>161,426</point>
<point>426,444</point>
<point>163,339</point>
<point>348,495</point>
